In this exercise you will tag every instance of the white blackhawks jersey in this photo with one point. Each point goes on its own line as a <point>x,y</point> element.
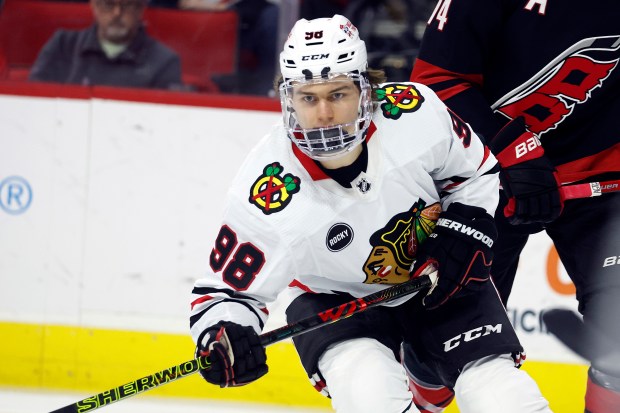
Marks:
<point>289,226</point>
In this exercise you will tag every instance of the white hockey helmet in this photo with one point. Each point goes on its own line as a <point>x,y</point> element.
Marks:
<point>318,51</point>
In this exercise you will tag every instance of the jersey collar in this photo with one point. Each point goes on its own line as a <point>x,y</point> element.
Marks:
<point>313,170</point>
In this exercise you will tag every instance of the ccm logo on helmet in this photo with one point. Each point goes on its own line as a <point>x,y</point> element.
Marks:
<point>464,229</point>
<point>471,335</point>
<point>316,56</point>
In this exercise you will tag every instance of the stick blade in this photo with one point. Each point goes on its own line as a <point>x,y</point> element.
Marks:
<point>568,327</point>
<point>587,341</point>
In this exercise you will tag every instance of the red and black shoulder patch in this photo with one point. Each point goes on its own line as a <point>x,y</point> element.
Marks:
<point>272,191</point>
<point>399,98</point>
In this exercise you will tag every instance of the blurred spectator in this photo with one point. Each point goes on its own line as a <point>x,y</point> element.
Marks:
<point>115,51</point>
<point>258,33</point>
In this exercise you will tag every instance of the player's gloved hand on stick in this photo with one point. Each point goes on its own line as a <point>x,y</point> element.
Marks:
<point>527,176</point>
<point>460,250</point>
<point>236,354</point>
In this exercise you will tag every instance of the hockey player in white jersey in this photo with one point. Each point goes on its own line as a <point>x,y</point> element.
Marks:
<point>364,185</point>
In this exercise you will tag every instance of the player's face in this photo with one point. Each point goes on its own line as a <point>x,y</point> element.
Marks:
<point>118,20</point>
<point>325,104</point>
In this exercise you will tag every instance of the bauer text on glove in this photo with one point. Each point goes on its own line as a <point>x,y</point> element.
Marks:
<point>529,179</point>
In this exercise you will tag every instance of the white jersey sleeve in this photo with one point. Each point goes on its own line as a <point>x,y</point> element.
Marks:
<point>467,170</point>
<point>248,266</point>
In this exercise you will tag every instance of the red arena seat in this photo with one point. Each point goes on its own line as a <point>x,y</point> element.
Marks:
<point>205,41</point>
<point>25,26</point>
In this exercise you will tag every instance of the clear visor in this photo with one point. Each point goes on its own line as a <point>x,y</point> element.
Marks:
<point>326,117</point>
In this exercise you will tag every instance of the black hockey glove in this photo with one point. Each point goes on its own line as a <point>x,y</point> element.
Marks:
<point>529,179</point>
<point>460,250</point>
<point>236,354</point>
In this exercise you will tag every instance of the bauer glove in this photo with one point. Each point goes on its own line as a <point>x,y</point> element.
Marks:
<point>459,249</point>
<point>236,354</point>
<point>529,179</point>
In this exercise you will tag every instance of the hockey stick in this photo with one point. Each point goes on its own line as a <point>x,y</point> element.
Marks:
<point>577,191</point>
<point>589,189</point>
<point>288,331</point>
<point>583,339</point>
<point>568,328</point>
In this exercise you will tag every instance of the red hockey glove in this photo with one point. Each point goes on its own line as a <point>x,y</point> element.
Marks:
<point>460,249</point>
<point>236,354</point>
<point>527,176</point>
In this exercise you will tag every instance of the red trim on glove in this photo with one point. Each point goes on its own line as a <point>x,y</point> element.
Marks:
<point>525,148</point>
<point>509,209</point>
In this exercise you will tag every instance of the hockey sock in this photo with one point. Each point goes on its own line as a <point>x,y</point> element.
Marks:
<point>602,393</point>
<point>429,398</point>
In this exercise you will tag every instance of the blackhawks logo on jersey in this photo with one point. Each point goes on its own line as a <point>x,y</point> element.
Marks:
<point>394,246</point>
<point>271,192</point>
<point>399,99</point>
